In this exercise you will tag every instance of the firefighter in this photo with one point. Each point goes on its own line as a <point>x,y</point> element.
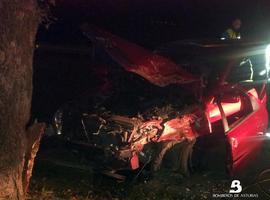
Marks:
<point>233,33</point>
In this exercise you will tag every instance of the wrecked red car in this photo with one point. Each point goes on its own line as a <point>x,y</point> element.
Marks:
<point>170,105</point>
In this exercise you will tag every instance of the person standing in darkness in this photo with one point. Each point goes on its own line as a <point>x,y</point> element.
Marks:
<point>233,33</point>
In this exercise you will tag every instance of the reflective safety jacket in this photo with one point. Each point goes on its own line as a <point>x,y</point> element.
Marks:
<point>230,34</point>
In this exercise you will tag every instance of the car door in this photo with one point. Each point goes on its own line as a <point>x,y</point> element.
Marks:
<point>244,124</point>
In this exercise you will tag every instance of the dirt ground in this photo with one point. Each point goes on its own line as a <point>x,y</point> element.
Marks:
<point>68,178</point>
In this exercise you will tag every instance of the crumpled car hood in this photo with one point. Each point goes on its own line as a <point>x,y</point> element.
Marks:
<point>155,68</point>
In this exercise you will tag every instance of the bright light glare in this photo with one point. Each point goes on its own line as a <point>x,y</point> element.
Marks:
<point>263,72</point>
<point>267,57</point>
<point>267,135</point>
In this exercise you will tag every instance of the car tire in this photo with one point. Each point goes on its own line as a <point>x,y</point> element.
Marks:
<point>174,155</point>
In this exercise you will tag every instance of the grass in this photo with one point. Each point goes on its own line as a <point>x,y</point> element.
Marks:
<point>53,182</point>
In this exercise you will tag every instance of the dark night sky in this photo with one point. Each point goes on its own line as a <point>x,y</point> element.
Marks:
<point>157,21</point>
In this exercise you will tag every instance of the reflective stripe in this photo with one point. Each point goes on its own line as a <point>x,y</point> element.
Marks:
<point>231,34</point>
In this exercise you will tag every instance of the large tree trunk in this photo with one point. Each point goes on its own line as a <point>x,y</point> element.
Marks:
<point>19,20</point>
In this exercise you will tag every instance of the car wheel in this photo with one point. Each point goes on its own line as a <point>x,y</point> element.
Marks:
<point>174,155</point>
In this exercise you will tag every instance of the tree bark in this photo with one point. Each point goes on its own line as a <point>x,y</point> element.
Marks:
<point>19,20</point>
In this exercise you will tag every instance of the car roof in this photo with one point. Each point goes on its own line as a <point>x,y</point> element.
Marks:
<point>210,43</point>
<point>211,49</point>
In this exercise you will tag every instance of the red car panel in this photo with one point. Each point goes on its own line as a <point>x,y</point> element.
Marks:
<point>155,68</point>
<point>247,136</point>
